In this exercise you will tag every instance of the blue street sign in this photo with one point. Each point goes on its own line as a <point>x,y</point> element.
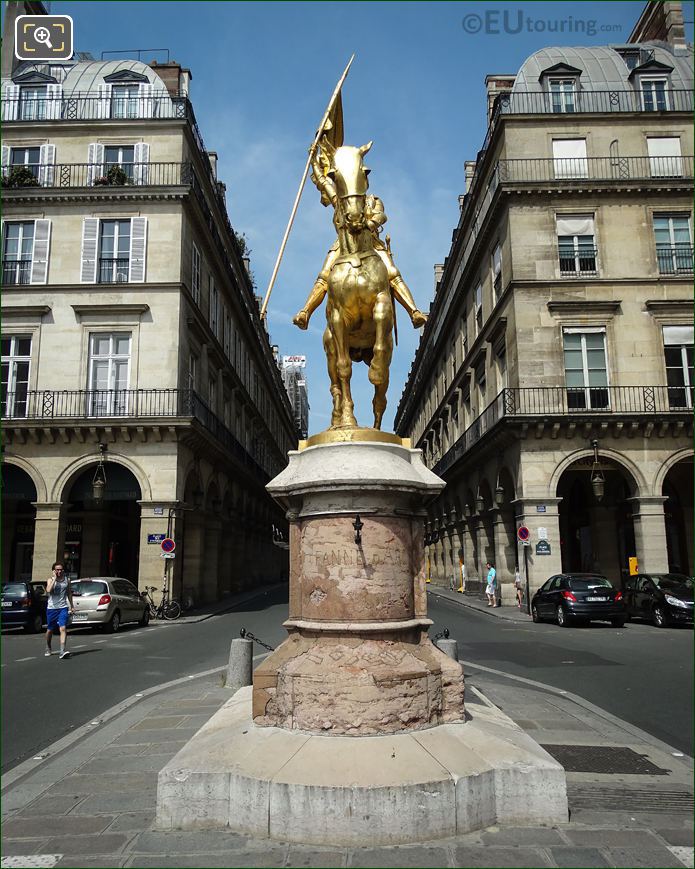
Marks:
<point>155,538</point>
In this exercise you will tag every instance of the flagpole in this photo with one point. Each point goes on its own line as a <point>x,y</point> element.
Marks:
<point>314,145</point>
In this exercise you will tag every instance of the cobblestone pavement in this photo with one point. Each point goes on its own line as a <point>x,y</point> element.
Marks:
<point>92,804</point>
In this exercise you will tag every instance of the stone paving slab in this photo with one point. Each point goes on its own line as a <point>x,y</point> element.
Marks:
<point>571,858</point>
<point>76,825</point>
<point>391,858</point>
<point>315,858</point>
<point>647,858</point>
<point>496,858</point>
<point>105,843</point>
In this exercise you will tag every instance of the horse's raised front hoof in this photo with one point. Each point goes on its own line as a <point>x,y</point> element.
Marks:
<point>301,319</point>
<point>418,318</point>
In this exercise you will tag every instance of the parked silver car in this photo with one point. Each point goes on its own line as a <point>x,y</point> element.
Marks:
<point>107,602</point>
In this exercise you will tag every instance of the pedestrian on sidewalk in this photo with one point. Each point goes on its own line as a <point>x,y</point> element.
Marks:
<point>518,588</point>
<point>59,608</point>
<point>491,587</point>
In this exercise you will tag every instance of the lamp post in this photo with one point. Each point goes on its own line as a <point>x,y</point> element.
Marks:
<point>99,479</point>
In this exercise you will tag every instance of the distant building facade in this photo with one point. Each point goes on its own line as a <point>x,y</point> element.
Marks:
<point>294,378</point>
<point>561,329</point>
<point>132,347</point>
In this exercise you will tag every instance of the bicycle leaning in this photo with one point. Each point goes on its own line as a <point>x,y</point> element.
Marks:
<point>167,609</point>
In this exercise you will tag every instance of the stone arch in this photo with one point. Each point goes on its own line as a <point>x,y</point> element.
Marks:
<point>667,464</point>
<point>69,474</point>
<point>32,472</point>
<point>632,472</point>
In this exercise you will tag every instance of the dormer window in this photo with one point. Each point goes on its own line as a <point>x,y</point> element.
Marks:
<point>32,102</point>
<point>654,94</point>
<point>561,82</point>
<point>124,100</point>
<point>563,94</point>
<point>652,80</point>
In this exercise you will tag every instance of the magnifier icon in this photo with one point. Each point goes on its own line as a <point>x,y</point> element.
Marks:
<point>43,36</point>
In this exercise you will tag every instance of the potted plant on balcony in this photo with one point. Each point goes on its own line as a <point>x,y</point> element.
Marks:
<point>19,176</point>
<point>115,177</point>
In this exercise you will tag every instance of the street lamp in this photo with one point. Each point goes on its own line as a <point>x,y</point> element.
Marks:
<point>598,479</point>
<point>479,503</point>
<point>467,511</point>
<point>99,479</point>
<point>499,495</point>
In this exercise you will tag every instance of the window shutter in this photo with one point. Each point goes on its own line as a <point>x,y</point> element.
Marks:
<point>5,160</point>
<point>54,101</point>
<point>569,158</point>
<point>39,256</point>
<point>95,160</point>
<point>146,100</point>
<point>10,102</point>
<point>675,336</point>
<point>138,248</point>
<point>47,168</point>
<point>665,156</point>
<point>104,104</point>
<point>90,237</point>
<point>141,158</point>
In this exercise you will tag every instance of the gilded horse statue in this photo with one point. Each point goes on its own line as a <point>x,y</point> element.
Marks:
<point>360,279</point>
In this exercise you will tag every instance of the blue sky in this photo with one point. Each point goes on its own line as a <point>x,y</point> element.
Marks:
<point>262,75</point>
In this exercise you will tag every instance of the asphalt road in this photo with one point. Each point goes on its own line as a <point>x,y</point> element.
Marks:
<point>45,698</point>
<point>640,673</point>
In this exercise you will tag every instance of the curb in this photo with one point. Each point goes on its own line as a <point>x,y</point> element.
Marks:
<point>508,617</point>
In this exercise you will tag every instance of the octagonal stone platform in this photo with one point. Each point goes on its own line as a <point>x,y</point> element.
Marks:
<point>342,790</point>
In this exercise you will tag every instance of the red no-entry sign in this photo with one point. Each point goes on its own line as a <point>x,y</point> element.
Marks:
<point>522,533</point>
<point>168,545</point>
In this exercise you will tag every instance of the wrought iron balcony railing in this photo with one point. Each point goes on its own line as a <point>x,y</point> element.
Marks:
<point>16,271</point>
<point>543,103</point>
<point>113,270</point>
<point>65,406</point>
<point>93,107</point>
<point>578,263</point>
<point>558,401</point>
<point>105,175</point>
<point>675,260</point>
<point>581,169</point>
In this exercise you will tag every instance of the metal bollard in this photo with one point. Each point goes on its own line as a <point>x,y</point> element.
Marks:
<point>449,647</point>
<point>240,667</point>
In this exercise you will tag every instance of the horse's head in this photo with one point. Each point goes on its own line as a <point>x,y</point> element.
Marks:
<point>349,174</point>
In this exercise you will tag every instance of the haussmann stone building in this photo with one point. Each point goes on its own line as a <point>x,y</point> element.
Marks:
<point>552,387</point>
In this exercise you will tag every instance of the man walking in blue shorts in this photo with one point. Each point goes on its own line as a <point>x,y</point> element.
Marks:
<point>58,609</point>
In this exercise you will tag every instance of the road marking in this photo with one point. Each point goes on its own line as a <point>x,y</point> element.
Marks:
<point>20,660</point>
<point>35,860</point>
<point>682,853</point>
<point>79,646</point>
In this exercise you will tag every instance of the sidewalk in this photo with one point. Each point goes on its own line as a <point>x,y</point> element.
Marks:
<point>92,804</point>
<point>478,601</point>
<point>207,611</point>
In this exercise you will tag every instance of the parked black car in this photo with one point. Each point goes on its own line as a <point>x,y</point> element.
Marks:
<point>662,598</point>
<point>24,605</point>
<point>579,598</point>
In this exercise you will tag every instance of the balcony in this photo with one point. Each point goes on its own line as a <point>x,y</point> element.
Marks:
<point>554,404</point>
<point>16,272</point>
<point>103,177</point>
<point>544,103</point>
<point>92,107</point>
<point>675,260</point>
<point>114,407</point>
<point>583,170</point>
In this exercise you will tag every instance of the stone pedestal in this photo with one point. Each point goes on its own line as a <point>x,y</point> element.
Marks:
<point>355,730</point>
<point>358,659</point>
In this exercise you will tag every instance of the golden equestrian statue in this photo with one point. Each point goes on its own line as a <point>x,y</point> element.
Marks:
<point>358,277</point>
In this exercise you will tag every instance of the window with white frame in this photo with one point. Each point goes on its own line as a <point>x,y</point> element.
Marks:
<point>33,102</point>
<point>17,253</point>
<point>464,334</point>
<point>16,359</point>
<point>654,92</point>
<point>30,158</point>
<point>563,94</point>
<point>665,159</point>
<point>497,272</point>
<point>576,241</point>
<point>195,274</point>
<point>213,306</point>
<point>678,353</point>
<point>124,100</point>
<point>674,243</point>
<point>569,158</point>
<point>478,308</point>
<point>586,372</point>
<point>109,372</point>
<point>114,251</point>
<point>120,157</point>
<point>192,371</point>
